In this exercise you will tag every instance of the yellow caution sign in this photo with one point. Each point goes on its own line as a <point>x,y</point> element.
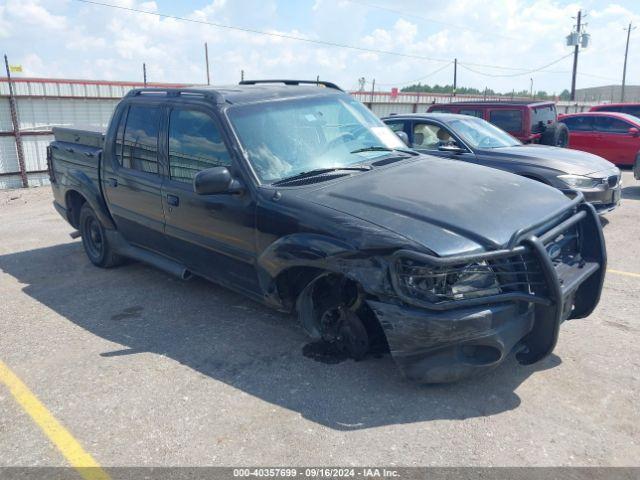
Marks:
<point>15,68</point>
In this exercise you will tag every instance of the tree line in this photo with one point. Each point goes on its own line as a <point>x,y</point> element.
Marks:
<point>541,94</point>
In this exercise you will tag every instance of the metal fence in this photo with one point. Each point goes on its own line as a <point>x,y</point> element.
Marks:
<point>42,103</point>
<point>387,103</point>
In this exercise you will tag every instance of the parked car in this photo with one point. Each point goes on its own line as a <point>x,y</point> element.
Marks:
<point>628,108</point>
<point>529,122</point>
<point>614,136</point>
<point>299,197</point>
<point>473,140</point>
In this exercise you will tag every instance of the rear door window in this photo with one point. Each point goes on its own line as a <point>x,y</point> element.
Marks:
<point>140,146</point>
<point>542,117</point>
<point>579,123</point>
<point>610,125</point>
<point>508,120</point>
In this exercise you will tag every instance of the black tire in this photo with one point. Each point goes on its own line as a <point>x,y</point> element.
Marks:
<point>556,136</point>
<point>561,136</point>
<point>94,240</point>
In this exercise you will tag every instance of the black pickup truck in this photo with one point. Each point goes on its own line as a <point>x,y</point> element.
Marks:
<point>295,194</point>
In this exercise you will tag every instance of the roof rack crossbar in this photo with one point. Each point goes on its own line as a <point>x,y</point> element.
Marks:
<point>293,82</point>
<point>172,92</point>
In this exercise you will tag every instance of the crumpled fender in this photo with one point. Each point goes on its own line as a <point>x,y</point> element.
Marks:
<point>83,184</point>
<point>321,252</point>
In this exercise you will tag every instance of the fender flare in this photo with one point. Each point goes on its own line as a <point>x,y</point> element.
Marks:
<point>85,186</point>
<point>310,250</point>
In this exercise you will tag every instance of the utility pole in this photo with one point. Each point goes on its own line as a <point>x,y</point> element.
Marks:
<point>16,127</point>
<point>206,60</point>
<point>455,76</point>
<point>373,88</point>
<point>575,57</point>
<point>531,88</point>
<point>624,69</point>
<point>144,74</point>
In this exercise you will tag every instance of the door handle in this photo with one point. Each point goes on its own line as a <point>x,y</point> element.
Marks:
<point>173,200</point>
<point>113,182</point>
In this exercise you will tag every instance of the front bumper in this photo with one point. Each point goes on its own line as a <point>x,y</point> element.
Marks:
<point>604,200</point>
<point>604,197</point>
<point>443,344</point>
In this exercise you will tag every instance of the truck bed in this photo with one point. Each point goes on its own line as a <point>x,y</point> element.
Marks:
<point>78,149</point>
<point>73,160</point>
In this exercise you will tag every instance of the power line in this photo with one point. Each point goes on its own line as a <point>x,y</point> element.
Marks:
<point>447,62</point>
<point>292,37</point>
<point>270,34</point>
<point>399,84</point>
<point>514,74</point>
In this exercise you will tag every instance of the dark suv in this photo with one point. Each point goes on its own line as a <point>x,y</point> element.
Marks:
<point>301,198</point>
<point>529,122</point>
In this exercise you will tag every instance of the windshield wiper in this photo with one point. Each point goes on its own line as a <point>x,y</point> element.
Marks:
<point>384,149</point>
<point>320,171</point>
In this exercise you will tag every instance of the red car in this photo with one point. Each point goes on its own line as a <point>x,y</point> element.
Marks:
<point>630,108</point>
<point>528,121</point>
<point>614,136</point>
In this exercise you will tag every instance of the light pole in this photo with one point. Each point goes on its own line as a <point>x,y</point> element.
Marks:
<point>626,53</point>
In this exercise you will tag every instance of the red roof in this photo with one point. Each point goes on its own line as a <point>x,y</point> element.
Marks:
<point>91,82</point>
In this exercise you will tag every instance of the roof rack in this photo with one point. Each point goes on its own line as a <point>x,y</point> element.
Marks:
<point>174,92</point>
<point>293,82</point>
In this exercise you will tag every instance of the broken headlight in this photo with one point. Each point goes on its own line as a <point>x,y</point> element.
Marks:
<point>435,284</point>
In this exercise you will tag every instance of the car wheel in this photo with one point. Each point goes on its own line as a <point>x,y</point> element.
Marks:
<point>636,168</point>
<point>94,240</point>
<point>561,135</point>
<point>344,328</point>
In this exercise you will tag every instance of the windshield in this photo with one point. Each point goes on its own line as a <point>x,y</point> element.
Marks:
<point>481,134</point>
<point>286,138</point>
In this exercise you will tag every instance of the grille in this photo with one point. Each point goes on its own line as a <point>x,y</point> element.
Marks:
<point>613,181</point>
<point>564,249</point>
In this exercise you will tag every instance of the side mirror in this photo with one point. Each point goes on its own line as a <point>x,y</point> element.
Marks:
<point>403,136</point>
<point>634,132</point>
<point>451,148</point>
<point>215,180</point>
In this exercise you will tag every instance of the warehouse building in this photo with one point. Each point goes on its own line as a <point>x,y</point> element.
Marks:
<point>608,94</point>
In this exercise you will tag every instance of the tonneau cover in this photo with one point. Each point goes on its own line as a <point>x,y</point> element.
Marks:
<point>90,136</point>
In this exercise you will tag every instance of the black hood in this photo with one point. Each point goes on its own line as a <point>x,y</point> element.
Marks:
<point>447,207</point>
<point>561,159</point>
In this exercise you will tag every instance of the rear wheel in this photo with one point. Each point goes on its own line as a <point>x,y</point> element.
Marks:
<point>556,136</point>
<point>94,240</point>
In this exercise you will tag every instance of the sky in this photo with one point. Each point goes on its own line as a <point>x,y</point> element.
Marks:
<point>498,44</point>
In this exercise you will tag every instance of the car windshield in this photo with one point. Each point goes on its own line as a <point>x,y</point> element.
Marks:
<point>481,134</point>
<point>288,137</point>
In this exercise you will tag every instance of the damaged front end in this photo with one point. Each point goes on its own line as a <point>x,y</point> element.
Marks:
<point>460,315</point>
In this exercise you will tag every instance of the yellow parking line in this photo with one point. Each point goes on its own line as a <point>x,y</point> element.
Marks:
<point>620,272</point>
<point>84,463</point>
